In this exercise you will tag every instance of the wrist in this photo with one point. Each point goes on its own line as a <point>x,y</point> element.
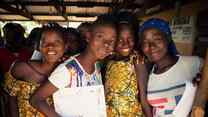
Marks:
<point>197,111</point>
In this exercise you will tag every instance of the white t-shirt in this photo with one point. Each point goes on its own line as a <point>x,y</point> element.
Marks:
<point>71,74</point>
<point>166,89</point>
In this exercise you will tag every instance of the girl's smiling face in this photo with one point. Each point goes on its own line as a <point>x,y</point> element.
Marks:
<point>103,41</point>
<point>125,42</point>
<point>154,44</point>
<point>52,47</point>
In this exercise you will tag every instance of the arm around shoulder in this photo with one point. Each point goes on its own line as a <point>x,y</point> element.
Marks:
<point>38,99</point>
<point>58,79</point>
<point>142,79</point>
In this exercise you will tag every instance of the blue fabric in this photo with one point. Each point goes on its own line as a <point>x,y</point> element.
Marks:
<point>164,27</point>
<point>172,48</point>
<point>178,98</point>
<point>159,24</point>
<point>74,64</point>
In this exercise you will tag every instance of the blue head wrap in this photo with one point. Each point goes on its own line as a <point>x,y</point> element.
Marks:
<point>164,27</point>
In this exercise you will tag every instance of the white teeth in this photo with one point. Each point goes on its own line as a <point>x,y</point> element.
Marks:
<point>125,50</point>
<point>51,53</point>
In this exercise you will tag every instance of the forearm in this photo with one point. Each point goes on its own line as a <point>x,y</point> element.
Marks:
<point>142,78</point>
<point>202,91</point>
<point>146,108</point>
<point>13,107</point>
<point>201,97</point>
<point>44,108</point>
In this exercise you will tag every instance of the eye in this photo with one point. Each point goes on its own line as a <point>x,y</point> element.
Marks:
<point>145,44</point>
<point>99,35</point>
<point>59,42</point>
<point>120,41</point>
<point>44,45</point>
<point>158,40</point>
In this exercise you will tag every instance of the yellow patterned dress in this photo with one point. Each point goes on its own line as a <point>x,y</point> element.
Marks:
<point>121,90</point>
<point>22,90</point>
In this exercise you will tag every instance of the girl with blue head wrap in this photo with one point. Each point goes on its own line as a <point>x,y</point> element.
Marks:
<point>162,26</point>
<point>167,80</point>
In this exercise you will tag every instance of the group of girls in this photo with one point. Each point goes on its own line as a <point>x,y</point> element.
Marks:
<point>145,77</point>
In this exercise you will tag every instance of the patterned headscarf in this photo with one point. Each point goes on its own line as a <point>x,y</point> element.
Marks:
<point>164,27</point>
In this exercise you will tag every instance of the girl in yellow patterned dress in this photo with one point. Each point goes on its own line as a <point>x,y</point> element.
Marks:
<point>25,77</point>
<point>121,88</point>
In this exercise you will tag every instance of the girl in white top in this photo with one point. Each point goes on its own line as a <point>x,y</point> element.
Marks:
<point>80,70</point>
<point>166,83</point>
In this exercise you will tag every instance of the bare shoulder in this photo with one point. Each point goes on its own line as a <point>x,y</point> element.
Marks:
<point>19,70</point>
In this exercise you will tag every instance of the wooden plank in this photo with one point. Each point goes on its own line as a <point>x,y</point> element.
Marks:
<point>16,11</point>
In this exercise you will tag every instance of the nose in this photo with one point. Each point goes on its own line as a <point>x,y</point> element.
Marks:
<point>109,48</point>
<point>124,42</point>
<point>50,46</point>
<point>149,47</point>
<point>152,45</point>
